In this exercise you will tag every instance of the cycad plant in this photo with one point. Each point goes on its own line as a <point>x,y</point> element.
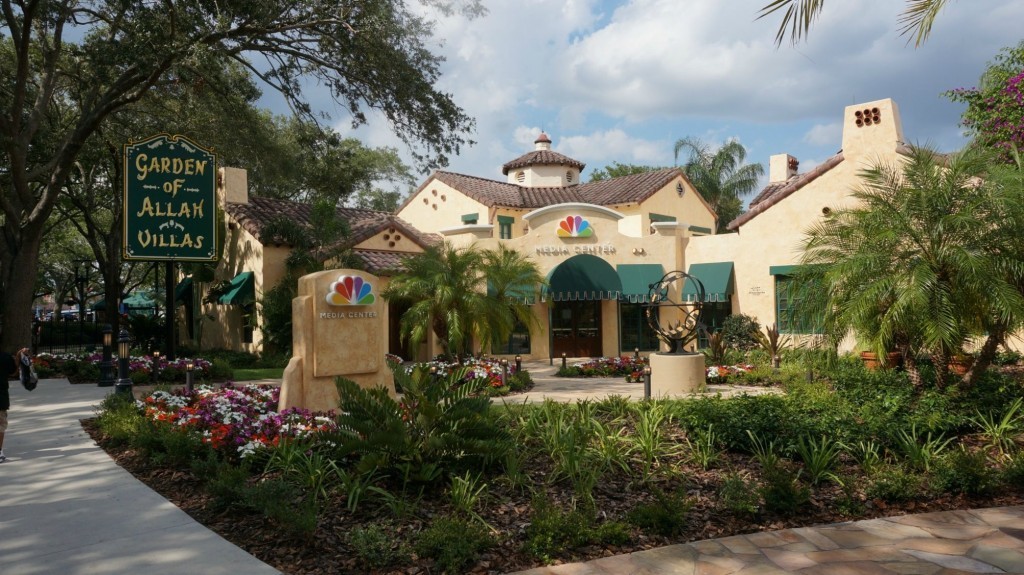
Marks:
<point>928,257</point>
<point>438,427</point>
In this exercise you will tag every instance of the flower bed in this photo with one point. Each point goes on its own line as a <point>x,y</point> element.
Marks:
<point>237,420</point>
<point>633,369</point>
<point>484,367</point>
<point>141,369</point>
<point>722,373</point>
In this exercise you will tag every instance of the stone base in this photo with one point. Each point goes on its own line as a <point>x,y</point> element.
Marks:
<point>676,374</point>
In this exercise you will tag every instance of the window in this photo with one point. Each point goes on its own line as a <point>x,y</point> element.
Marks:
<point>634,331</point>
<point>712,315</point>
<point>788,308</point>
<point>568,176</point>
<point>518,342</point>
<point>505,227</point>
<point>520,177</point>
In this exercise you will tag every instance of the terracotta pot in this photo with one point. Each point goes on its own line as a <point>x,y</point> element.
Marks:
<point>960,365</point>
<point>872,361</point>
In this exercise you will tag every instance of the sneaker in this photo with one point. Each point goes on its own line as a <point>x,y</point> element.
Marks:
<point>3,457</point>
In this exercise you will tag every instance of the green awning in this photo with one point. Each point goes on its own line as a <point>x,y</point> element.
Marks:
<point>470,218</point>
<point>521,292</point>
<point>242,290</point>
<point>134,301</point>
<point>583,277</point>
<point>782,270</point>
<point>637,279</point>
<point>183,291</point>
<point>716,278</point>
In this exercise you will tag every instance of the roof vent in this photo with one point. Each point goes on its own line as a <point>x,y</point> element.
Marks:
<point>868,116</point>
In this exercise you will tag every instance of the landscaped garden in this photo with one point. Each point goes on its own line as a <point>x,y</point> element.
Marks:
<point>444,479</point>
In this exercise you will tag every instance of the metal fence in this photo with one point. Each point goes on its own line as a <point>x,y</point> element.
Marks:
<point>66,336</point>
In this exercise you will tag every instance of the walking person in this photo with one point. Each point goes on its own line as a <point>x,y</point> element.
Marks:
<point>9,368</point>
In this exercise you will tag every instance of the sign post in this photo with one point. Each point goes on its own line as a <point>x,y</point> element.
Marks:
<point>170,207</point>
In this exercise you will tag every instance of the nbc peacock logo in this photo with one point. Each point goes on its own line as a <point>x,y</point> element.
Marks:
<point>574,227</point>
<point>351,290</point>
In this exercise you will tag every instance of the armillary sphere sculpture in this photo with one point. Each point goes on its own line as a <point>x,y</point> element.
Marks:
<point>682,319</point>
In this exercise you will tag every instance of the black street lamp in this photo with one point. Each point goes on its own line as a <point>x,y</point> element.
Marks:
<point>124,343</point>
<point>504,371</point>
<point>190,367</point>
<point>107,365</point>
<point>519,363</point>
<point>563,360</point>
<point>156,366</point>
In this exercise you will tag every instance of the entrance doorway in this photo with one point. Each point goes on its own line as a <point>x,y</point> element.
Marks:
<point>576,328</point>
<point>395,344</point>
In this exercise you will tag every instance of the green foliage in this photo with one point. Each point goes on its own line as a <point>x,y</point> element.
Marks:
<point>720,175</point>
<point>995,107</point>
<point>782,490</point>
<point>437,427</point>
<point>966,472</point>
<point>739,495</point>
<point>119,418</point>
<point>1001,432</point>
<point>716,349</point>
<point>665,516</point>
<point>305,466</point>
<point>377,547</point>
<point>894,484</point>
<point>867,453</point>
<point>552,531</point>
<point>276,308</point>
<point>617,170</point>
<point>520,381</point>
<point>738,332</point>
<point>798,15</point>
<point>1013,471</point>
<point>453,543</point>
<point>704,450</point>
<point>282,502</point>
<point>819,457</point>
<point>465,493</point>
<point>920,451</point>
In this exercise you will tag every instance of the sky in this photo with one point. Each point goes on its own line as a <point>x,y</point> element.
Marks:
<point>622,81</point>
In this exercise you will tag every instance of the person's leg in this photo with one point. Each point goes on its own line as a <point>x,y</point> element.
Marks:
<point>3,429</point>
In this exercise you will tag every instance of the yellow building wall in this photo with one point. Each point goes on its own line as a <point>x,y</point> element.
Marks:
<point>390,240</point>
<point>438,206</point>
<point>689,209</point>
<point>221,326</point>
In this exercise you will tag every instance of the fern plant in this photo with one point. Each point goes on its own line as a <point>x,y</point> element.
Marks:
<point>439,426</point>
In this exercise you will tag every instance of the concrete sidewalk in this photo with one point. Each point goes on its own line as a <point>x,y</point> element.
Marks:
<point>67,509</point>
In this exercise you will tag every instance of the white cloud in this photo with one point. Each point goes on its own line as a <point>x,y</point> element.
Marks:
<point>825,134</point>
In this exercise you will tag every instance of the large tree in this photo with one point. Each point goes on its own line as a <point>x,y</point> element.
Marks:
<point>369,54</point>
<point>798,15</point>
<point>617,170</point>
<point>462,294</point>
<point>929,258</point>
<point>719,175</point>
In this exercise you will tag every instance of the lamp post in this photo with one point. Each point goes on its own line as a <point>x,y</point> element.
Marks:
<point>107,365</point>
<point>636,353</point>
<point>504,371</point>
<point>124,342</point>
<point>190,367</point>
<point>156,365</point>
<point>647,382</point>
<point>519,363</point>
<point>563,360</point>
<point>433,374</point>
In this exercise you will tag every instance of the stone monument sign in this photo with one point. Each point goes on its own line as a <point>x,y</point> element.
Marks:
<point>339,328</point>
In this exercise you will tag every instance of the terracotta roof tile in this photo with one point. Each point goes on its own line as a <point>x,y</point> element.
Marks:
<point>258,212</point>
<point>622,190</point>
<point>381,262</point>
<point>543,158</point>
<point>775,193</point>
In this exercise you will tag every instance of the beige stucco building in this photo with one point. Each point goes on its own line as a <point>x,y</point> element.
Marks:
<point>599,244</point>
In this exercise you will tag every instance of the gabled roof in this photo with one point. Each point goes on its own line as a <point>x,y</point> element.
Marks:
<point>622,190</point>
<point>776,192</point>
<point>541,158</point>
<point>255,215</point>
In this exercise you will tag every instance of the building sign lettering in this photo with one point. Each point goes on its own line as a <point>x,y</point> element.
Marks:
<point>169,200</point>
<point>596,249</point>
<point>347,314</point>
<point>756,290</point>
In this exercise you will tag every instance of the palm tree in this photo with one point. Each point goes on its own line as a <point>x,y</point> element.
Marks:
<point>447,289</point>
<point>916,19</point>
<point>720,175</point>
<point>929,258</point>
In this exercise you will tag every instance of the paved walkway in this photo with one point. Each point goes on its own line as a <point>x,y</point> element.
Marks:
<point>67,509</point>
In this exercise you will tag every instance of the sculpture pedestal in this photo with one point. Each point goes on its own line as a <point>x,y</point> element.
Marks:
<point>675,374</point>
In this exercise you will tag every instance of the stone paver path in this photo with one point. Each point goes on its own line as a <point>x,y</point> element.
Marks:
<point>943,543</point>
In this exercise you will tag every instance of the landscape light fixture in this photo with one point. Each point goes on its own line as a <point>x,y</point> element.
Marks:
<point>190,368</point>
<point>124,343</point>
<point>107,365</point>
<point>647,382</point>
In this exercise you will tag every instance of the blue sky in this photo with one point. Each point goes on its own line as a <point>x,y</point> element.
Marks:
<point>623,80</point>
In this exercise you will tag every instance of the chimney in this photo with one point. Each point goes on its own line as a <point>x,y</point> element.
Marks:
<point>543,142</point>
<point>234,185</point>
<point>782,167</point>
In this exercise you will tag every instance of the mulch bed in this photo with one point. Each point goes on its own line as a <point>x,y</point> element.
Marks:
<point>509,511</point>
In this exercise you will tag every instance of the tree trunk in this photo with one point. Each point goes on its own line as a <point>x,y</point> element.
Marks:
<point>19,283</point>
<point>985,357</point>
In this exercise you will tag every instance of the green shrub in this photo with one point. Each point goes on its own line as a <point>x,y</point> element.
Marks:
<point>782,490</point>
<point>552,531</point>
<point>738,332</point>
<point>377,547</point>
<point>895,484</point>
<point>453,543</point>
<point>119,418</point>
<point>520,381</point>
<point>739,495</point>
<point>665,516</point>
<point>139,377</point>
<point>220,370</point>
<point>227,487</point>
<point>966,472</point>
<point>1013,471</point>
<point>612,533</point>
<point>281,501</point>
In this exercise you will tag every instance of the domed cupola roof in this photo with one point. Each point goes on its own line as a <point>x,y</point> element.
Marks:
<point>542,156</point>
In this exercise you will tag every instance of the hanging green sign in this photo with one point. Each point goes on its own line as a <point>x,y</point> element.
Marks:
<point>170,200</point>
